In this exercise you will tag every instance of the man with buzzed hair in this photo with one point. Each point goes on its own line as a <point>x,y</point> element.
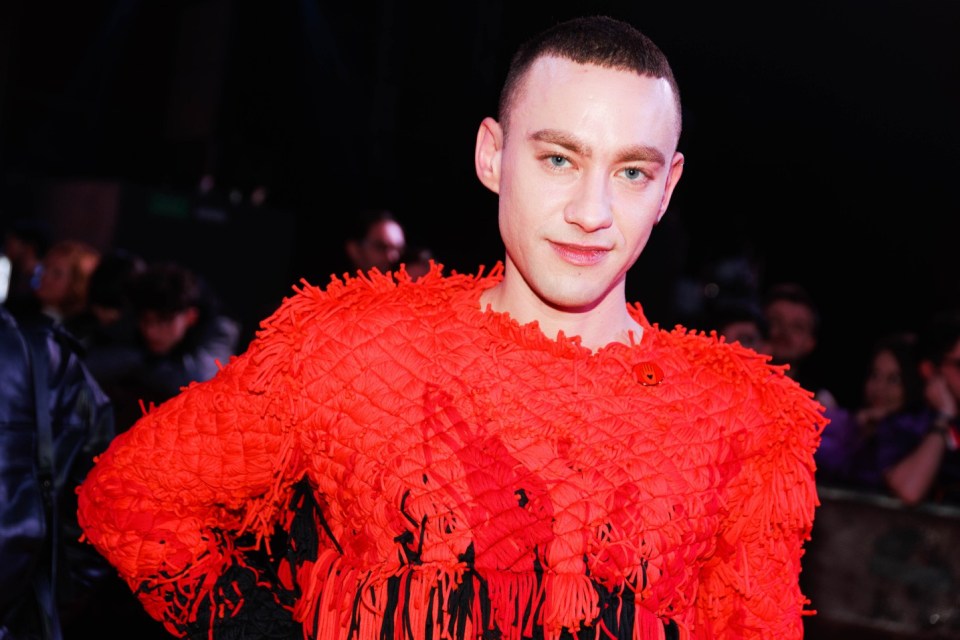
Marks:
<point>375,239</point>
<point>513,454</point>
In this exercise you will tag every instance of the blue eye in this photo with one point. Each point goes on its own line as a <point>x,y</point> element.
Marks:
<point>558,161</point>
<point>633,174</point>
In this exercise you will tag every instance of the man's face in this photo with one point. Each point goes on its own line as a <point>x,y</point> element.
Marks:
<point>163,332</point>
<point>747,333</point>
<point>584,173</point>
<point>381,248</point>
<point>55,280</point>
<point>790,332</point>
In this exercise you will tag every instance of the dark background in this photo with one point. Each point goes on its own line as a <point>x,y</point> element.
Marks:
<point>821,139</point>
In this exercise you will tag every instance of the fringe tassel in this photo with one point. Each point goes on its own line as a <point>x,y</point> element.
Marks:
<point>319,608</point>
<point>513,598</point>
<point>569,599</point>
<point>647,626</point>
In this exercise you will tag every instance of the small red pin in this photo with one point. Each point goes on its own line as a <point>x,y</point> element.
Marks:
<point>648,373</point>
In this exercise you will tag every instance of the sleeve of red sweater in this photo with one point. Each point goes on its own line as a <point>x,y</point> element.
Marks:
<point>170,498</point>
<point>750,588</point>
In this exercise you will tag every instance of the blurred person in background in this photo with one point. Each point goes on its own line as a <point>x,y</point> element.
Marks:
<point>738,320</point>
<point>793,326</point>
<point>417,261</point>
<point>64,280</point>
<point>107,328</point>
<point>374,240</point>
<point>25,242</point>
<point>930,470</point>
<point>861,444</point>
<point>182,337</point>
<point>54,420</point>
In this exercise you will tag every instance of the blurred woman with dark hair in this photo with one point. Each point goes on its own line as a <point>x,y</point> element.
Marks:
<point>852,451</point>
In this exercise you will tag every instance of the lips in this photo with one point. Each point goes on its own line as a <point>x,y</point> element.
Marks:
<point>580,255</point>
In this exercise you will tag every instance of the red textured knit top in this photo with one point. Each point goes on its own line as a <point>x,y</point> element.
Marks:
<point>466,474</point>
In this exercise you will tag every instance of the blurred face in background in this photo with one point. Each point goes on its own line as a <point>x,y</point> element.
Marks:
<point>884,389</point>
<point>162,332</point>
<point>381,248</point>
<point>55,280</point>
<point>65,277</point>
<point>790,328</point>
<point>747,333</point>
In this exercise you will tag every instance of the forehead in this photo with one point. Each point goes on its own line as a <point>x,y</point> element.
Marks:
<point>386,230</point>
<point>57,261</point>
<point>788,309</point>
<point>152,316</point>
<point>885,360</point>
<point>556,91</point>
<point>742,326</point>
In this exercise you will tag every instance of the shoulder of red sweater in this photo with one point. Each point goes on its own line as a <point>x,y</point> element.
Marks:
<point>692,350</point>
<point>773,400</point>
<point>372,298</point>
<point>706,348</point>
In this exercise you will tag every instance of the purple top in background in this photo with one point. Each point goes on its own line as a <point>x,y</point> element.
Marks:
<point>847,458</point>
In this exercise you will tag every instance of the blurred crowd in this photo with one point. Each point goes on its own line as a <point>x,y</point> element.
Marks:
<point>899,437</point>
<point>147,329</point>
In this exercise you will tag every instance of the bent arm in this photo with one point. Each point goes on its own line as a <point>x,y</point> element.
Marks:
<point>169,499</point>
<point>911,478</point>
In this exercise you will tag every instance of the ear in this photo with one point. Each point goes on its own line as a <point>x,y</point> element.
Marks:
<point>488,152</point>
<point>676,170</point>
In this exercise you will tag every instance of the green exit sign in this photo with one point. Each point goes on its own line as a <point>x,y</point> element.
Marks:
<point>168,205</point>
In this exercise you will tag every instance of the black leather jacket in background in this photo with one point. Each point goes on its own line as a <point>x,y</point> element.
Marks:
<point>82,424</point>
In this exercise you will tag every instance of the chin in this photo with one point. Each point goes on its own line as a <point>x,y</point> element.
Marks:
<point>582,293</point>
<point>573,299</point>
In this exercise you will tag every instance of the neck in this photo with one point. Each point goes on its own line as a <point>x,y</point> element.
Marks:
<point>601,324</point>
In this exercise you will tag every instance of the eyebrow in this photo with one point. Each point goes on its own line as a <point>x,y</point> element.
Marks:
<point>633,153</point>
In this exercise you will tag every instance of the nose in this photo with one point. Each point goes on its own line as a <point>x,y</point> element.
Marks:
<point>590,208</point>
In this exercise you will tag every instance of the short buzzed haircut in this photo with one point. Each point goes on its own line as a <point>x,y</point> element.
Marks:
<point>598,40</point>
<point>165,288</point>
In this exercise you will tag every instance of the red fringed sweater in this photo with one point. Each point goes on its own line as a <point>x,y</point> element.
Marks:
<point>387,460</point>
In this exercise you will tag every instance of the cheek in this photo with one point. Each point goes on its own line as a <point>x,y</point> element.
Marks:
<point>520,211</point>
<point>529,189</point>
<point>53,285</point>
<point>514,190</point>
<point>636,230</point>
<point>162,338</point>
<point>636,211</point>
<point>511,231</point>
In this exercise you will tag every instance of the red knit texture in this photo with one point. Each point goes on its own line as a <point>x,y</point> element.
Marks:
<point>679,467</point>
